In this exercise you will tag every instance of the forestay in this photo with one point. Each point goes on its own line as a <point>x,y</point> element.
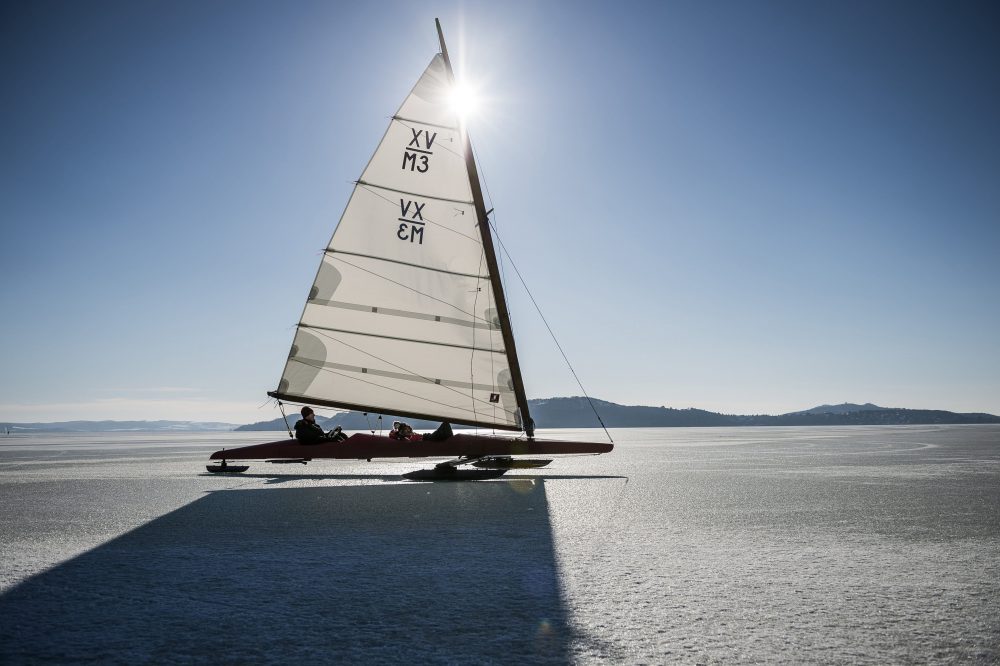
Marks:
<point>402,318</point>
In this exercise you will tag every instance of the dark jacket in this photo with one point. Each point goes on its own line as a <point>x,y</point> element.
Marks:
<point>309,433</point>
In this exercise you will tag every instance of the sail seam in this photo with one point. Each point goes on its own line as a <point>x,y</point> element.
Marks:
<point>395,390</point>
<point>406,286</point>
<point>377,358</point>
<point>331,250</point>
<point>397,339</point>
<point>392,312</point>
<point>423,122</point>
<point>357,369</point>
<point>304,399</point>
<point>412,194</point>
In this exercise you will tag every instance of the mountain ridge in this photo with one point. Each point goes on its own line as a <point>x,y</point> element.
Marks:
<point>560,412</point>
<point>842,408</point>
<point>576,412</point>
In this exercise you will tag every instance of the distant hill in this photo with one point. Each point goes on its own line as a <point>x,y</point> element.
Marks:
<point>575,412</point>
<point>881,416</point>
<point>843,408</point>
<point>117,426</point>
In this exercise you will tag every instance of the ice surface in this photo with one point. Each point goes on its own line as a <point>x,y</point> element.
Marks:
<point>867,545</point>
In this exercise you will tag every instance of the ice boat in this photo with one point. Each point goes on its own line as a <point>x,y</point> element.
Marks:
<point>407,314</point>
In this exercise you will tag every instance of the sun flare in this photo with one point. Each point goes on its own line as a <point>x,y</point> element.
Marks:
<point>464,100</point>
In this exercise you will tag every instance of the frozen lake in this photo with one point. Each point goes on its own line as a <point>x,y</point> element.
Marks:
<point>867,544</point>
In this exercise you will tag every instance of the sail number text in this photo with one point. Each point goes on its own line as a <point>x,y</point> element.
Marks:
<point>411,221</point>
<point>417,154</point>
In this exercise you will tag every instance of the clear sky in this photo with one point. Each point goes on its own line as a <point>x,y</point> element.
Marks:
<point>747,207</point>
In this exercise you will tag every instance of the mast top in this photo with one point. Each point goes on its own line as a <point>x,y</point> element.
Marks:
<point>444,47</point>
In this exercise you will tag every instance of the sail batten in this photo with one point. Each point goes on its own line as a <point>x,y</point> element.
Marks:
<point>424,122</point>
<point>437,381</point>
<point>405,315</point>
<point>412,194</point>
<point>429,406</point>
<point>409,340</point>
<point>397,261</point>
<point>335,404</point>
<point>375,309</point>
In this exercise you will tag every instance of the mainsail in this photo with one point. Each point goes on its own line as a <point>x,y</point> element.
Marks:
<point>406,314</point>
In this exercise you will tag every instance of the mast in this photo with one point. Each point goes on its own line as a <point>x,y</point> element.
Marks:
<point>491,259</point>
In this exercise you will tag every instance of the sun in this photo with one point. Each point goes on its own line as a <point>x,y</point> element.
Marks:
<point>464,100</point>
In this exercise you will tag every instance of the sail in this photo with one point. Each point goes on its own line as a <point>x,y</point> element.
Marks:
<point>402,317</point>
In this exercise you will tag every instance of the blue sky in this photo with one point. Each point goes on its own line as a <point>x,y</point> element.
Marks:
<point>748,207</point>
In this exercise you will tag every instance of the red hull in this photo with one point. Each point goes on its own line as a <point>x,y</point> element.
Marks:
<point>363,447</point>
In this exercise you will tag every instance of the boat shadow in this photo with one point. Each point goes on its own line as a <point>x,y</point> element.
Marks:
<point>421,572</point>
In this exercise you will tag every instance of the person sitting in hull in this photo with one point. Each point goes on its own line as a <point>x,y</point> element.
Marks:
<point>308,431</point>
<point>442,433</point>
<point>404,431</point>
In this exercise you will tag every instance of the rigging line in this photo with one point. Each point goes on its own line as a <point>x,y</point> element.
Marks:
<point>492,357</point>
<point>503,279</point>
<point>406,286</point>
<point>281,407</point>
<point>472,356</point>
<point>537,308</point>
<point>395,338</point>
<point>429,221</point>
<point>379,419</point>
<point>412,194</point>
<point>403,120</point>
<point>399,262</point>
<point>554,339</point>
<point>424,195</point>
<point>388,362</point>
<point>503,273</point>
<point>387,388</point>
<point>398,367</point>
<point>503,283</point>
